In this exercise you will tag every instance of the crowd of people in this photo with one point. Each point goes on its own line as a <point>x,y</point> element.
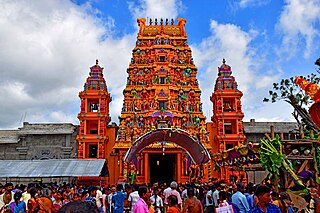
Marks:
<point>217,197</point>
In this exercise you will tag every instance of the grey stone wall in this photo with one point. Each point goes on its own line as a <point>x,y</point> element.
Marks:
<point>39,141</point>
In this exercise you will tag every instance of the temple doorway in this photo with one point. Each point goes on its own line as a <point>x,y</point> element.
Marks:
<point>162,168</point>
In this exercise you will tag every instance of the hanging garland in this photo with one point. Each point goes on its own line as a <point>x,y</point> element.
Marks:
<point>237,156</point>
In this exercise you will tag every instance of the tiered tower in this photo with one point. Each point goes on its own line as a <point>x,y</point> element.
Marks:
<point>94,116</point>
<point>227,115</point>
<point>162,91</point>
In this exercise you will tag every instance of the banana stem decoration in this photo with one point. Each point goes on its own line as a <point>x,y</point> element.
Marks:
<point>272,158</point>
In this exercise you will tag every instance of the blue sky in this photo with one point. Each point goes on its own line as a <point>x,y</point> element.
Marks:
<point>47,47</point>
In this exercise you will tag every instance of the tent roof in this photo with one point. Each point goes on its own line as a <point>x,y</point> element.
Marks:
<point>53,168</point>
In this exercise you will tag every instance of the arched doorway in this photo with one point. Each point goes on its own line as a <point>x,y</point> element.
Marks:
<point>158,163</point>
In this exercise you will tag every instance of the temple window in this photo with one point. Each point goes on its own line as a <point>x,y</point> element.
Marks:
<point>93,105</point>
<point>229,146</point>
<point>230,127</point>
<point>94,131</point>
<point>93,150</point>
<point>162,80</point>
<point>92,127</point>
<point>227,128</point>
<point>162,58</point>
<point>228,105</point>
<point>162,105</point>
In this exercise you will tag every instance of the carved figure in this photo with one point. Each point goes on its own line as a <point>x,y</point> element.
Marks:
<point>142,24</point>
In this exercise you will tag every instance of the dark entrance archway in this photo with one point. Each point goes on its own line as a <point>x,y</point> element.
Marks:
<point>197,152</point>
<point>161,168</point>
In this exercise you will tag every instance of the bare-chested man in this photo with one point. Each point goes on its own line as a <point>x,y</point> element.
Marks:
<point>192,204</point>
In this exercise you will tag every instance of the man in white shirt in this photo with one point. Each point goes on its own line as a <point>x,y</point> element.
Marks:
<point>134,197</point>
<point>99,199</point>
<point>166,190</point>
<point>26,196</point>
<point>209,200</point>
<point>156,201</point>
<point>215,195</point>
<point>113,192</point>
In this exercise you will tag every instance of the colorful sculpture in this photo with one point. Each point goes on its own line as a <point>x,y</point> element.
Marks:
<point>162,87</point>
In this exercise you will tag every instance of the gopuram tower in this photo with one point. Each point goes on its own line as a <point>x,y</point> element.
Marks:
<point>95,138</point>
<point>227,118</point>
<point>162,123</point>
<point>94,116</point>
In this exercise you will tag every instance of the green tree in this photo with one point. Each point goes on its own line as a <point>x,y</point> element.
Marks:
<point>288,91</point>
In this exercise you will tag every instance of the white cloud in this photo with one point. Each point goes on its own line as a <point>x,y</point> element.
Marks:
<point>229,41</point>
<point>250,3</point>
<point>296,23</point>
<point>46,49</point>
<point>155,8</point>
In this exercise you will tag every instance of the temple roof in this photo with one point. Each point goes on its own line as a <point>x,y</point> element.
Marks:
<point>95,81</point>
<point>9,136</point>
<point>162,27</point>
<point>264,127</point>
<point>47,128</point>
<point>225,80</point>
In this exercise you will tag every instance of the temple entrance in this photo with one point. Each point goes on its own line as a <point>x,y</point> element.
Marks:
<point>162,168</point>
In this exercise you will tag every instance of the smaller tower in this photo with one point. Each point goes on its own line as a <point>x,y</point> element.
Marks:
<point>227,113</point>
<point>94,115</point>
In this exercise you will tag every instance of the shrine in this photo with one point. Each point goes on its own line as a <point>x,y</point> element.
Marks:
<point>227,118</point>
<point>163,134</point>
<point>94,136</point>
<point>162,97</point>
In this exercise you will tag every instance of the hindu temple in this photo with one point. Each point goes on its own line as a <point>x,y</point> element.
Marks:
<point>163,134</point>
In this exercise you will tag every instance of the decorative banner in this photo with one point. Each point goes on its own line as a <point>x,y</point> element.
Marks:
<point>237,156</point>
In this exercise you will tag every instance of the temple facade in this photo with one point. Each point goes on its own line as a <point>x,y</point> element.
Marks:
<point>162,92</point>
<point>162,129</point>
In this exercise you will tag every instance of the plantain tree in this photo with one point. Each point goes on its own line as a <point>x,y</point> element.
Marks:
<point>288,91</point>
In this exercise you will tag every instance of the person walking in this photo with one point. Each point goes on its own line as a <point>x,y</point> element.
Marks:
<point>118,200</point>
<point>109,198</point>
<point>240,199</point>
<point>264,205</point>
<point>225,205</point>
<point>192,204</point>
<point>18,206</point>
<point>209,200</point>
<point>156,200</point>
<point>33,204</point>
<point>173,204</point>
<point>173,191</point>
<point>142,204</point>
<point>92,191</point>
<point>133,197</point>
<point>6,197</point>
